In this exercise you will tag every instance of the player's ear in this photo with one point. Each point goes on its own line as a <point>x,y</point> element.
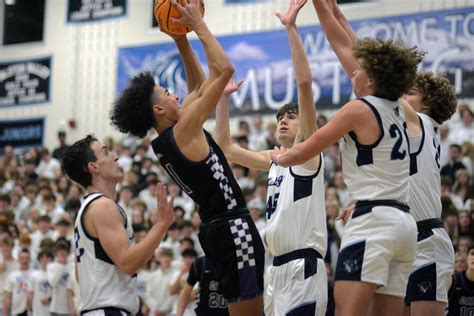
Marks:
<point>158,110</point>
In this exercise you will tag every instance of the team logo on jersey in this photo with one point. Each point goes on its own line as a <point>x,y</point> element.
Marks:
<point>213,285</point>
<point>397,111</point>
<point>424,287</point>
<point>351,265</point>
<point>275,182</point>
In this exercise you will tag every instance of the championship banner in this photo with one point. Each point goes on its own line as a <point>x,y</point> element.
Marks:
<point>92,10</point>
<point>21,133</point>
<point>263,60</point>
<point>25,82</point>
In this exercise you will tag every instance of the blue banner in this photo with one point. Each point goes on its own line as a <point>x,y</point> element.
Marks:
<point>263,59</point>
<point>22,133</point>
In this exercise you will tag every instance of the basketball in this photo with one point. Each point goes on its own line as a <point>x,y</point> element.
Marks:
<point>164,10</point>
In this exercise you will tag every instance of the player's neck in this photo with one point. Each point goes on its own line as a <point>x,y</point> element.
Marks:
<point>107,189</point>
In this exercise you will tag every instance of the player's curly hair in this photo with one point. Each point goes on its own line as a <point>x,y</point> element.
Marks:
<point>132,111</point>
<point>76,158</point>
<point>438,93</point>
<point>390,64</point>
<point>287,108</point>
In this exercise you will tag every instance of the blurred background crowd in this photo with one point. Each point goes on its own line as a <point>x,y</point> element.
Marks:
<point>38,206</point>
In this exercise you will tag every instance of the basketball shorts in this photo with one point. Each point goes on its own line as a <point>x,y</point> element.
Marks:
<point>235,252</point>
<point>378,246</point>
<point>297,285</point>
<point>434,264</point>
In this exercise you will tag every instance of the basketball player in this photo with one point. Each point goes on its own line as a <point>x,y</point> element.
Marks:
<point>433,98</point>
<point>378,246</point>
<point>106,258</point>
<point>190,156</point>
<point>296,220</point>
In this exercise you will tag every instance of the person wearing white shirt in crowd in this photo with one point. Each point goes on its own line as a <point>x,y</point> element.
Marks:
<point>51,208</point>
<point>257,209</point>
<point>148,195</point>
<point>15,287</point>
<point>73,293</point>
<point>39,290</point>
<point>48,166</point>
<point>43,225</point>
<point>181,199</point>
<point>125,200</point>
<point>7,265</point>
<point>444,144</point>
<point>158,297</point>
<point>172,240</point>
<point>464,130</point>
<point>58,274</point>
<point>258,135</point>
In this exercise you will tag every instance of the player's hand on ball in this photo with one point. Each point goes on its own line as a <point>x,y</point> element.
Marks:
<point>165,207</point>
<point>190,13</point>
<point>289,18</point>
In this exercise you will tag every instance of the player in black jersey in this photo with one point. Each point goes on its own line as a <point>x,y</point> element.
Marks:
<point>191,157</point>
<point>461,294</point>
<point>210,300</point>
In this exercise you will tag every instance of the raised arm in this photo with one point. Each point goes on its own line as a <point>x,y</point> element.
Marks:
<point>411,117</point>
<point>338,37</point>
<point>108,224</point>
<point>306,107</point>
<point>194,74</point>
<point>233,153</point>
<point>220,70</point>
<point>343,20</point>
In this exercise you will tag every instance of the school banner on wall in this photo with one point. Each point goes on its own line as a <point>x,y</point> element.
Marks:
<point>25,82</point>
<point>263,59</point>
<point>93,10</point>
<point>22,133</point>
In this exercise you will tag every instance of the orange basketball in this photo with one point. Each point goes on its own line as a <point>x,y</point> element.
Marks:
<point>164,10</point>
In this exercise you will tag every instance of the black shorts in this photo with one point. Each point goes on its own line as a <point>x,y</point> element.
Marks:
<point>235,251</point>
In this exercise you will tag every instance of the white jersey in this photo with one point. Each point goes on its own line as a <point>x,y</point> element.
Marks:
<point>425,181</point>
<point>39,285</point>
<point>101,282</point>
<point>378,171</point>
<point>296,210</point>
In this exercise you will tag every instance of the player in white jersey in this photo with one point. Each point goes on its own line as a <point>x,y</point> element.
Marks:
<point>296,232</point>
<point>378,245</point>
<point>429,103</point>
<point>106,257</point>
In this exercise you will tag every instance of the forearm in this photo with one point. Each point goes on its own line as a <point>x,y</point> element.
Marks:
<point>222,131</point>
<point>7,302</point>
<point>341,18</point>
<point>194,73</point>
<point>138,254</point>
<point>216,57</point>
<point>183,300</point>
<point>298,56</point>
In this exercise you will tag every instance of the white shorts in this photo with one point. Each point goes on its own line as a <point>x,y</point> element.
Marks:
<point>378,246</point>
<point>298,287</point>
<point>433,267</point>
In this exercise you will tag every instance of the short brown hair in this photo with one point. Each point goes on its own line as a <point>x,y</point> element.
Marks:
<point>438,93</point>
<point>390,64</point>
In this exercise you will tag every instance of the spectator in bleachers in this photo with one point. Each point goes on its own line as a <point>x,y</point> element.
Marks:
<point>39,290</point>
<point>454,162</point>
<point>464,129</point>
<point>58,274</point>
<point>464,242</point>
<point>463,187</point>
<point>43,231</point>
<point>446,191</point>
<point>465,226</point>
<point>178,280</point>
<point>48,166</point>
<point>16,286</point>
<point>58,152</point>
<point>7,263</point>
<point>459,262</point>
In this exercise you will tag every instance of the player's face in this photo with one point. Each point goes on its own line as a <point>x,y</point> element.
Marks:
<point>169,103</point>
<point>106,164</point>
<point>287,128</point>
<point>361,83</point>
<point>414,97</point>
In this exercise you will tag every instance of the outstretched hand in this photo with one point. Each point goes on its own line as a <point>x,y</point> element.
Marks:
<point>231,87</point>
<point>276,153</point>
<point>289,18</point>
<point>165,207</point>
<point>190,12</point>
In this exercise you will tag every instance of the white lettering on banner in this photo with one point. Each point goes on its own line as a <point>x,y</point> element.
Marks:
<point>21,133</point>
<point>96,9</point>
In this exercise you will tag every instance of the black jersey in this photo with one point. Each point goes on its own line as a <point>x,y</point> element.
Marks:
<point>210,301</point>
<point>210,182</point>
<point>461,296</point>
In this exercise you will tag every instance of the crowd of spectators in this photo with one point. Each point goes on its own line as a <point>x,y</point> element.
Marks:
<point>38,205</point>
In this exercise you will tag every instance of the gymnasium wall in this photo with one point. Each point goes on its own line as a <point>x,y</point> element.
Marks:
<point>84,55</point>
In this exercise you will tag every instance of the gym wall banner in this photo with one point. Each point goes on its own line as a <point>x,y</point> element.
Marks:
<point>92,10</point>
<point>263,59</point>
<point>25,82</point>
<point>21,133</point>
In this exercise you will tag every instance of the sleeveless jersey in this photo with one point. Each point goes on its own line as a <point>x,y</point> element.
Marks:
<point>425,181</point>
<point>210,182</point>
<point>378,171</point>
<point>296,213</point>
<point>101,282</point>
<point>461,296</point>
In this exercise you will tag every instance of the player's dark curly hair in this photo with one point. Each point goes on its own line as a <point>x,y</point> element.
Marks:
<point>132,112</point>
<point>390,64</point>
<point>287,108</point>
<point>76,158</point>
<point>438,93</point>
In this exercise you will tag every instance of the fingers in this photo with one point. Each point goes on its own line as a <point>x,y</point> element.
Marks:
<point>239,83</point>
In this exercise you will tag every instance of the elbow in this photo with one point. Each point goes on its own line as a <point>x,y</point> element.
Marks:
<point>228,71</point>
